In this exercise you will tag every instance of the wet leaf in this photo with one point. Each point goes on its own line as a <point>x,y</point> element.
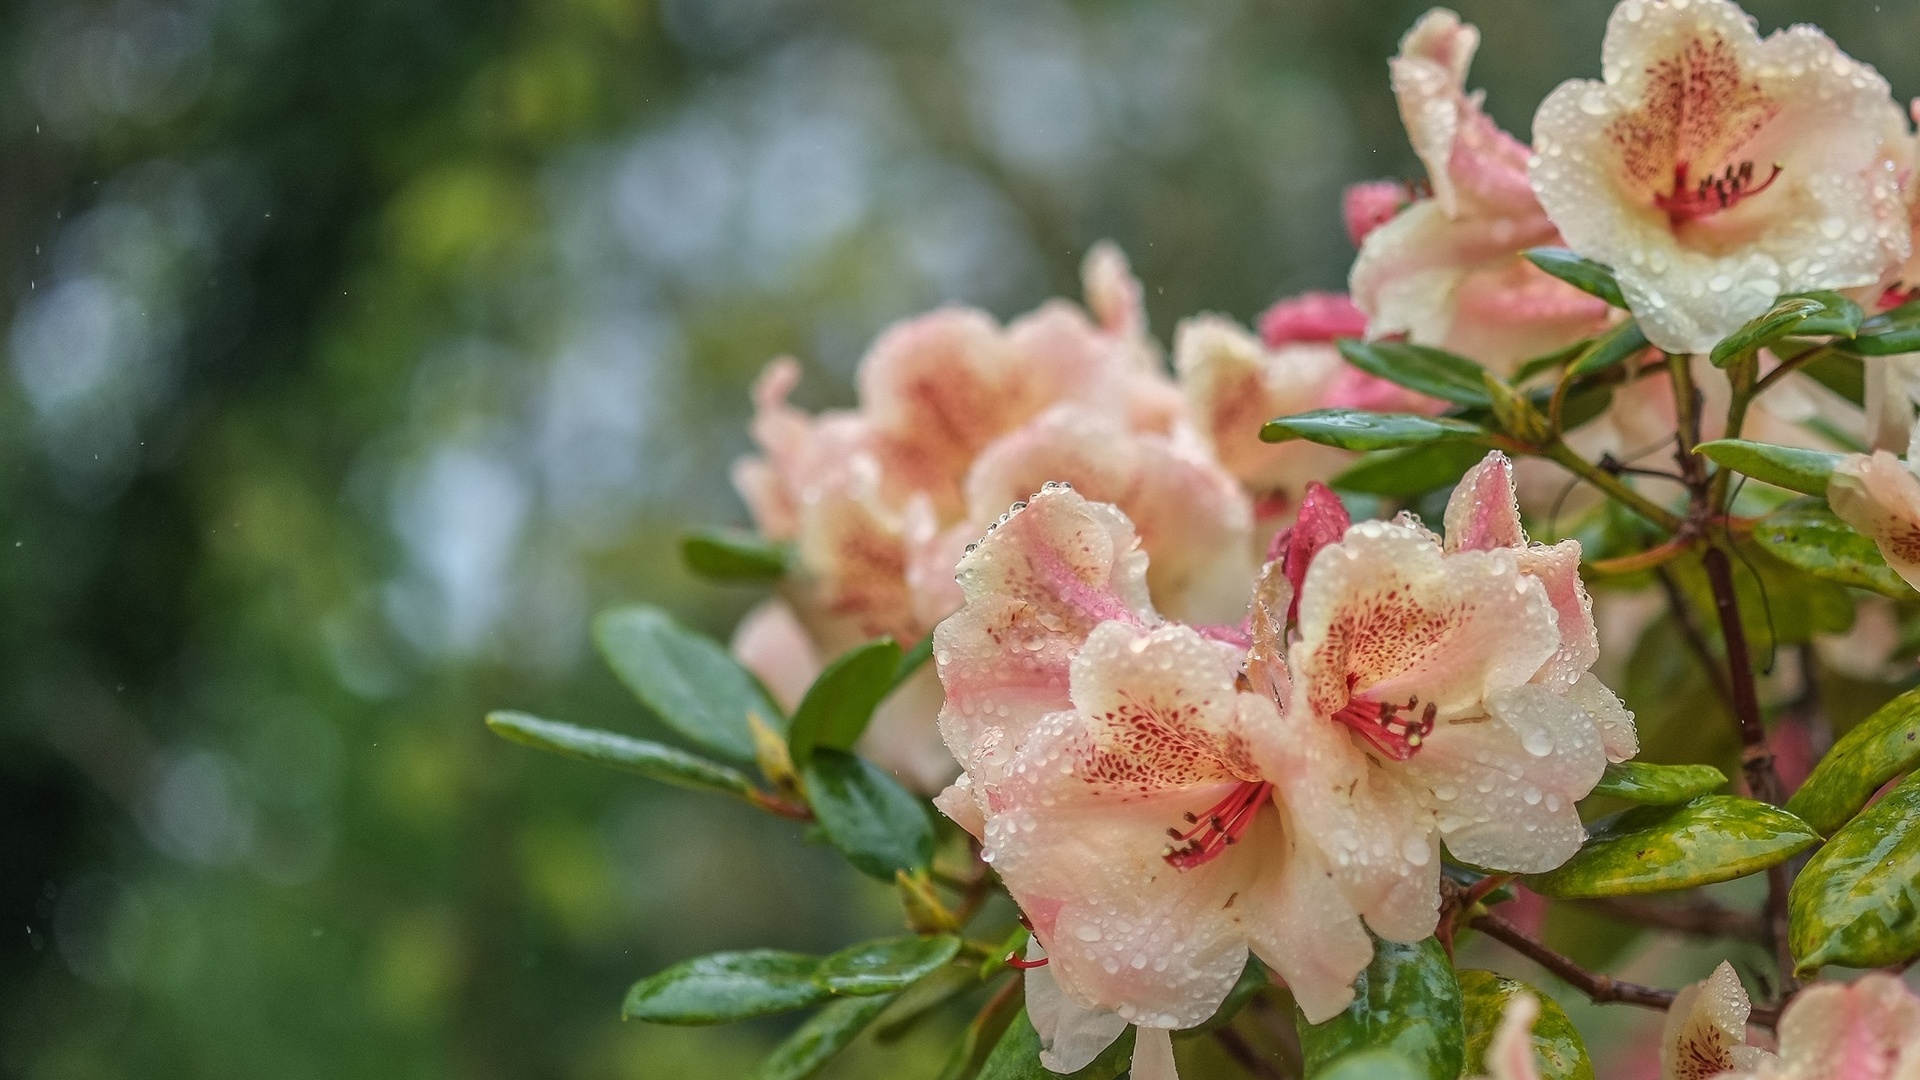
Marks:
<point>650,759</point>
<point>1369,1065</point>
<point>1433,372</point>
<point>1877,749</point>
<point>1584,274</point>
<point>725,987</point>
<point>1612,348</point>
<point>1405,1001</point>
<point>824,1035</point>
<point>864,812</point>
<point>1658,849</point>
<point>1841,317</point>
<point>886,965</point>
<point>1889,333</point>
<point>1782,319</point>
<point>1017,1057</point>
<point>1809,536</point>
<point>840,703</point>
<point>688,680</point>
<point>1355,429</point>
<point>733,555</point>
<point>1804,471</point>
<point>1857,902</point>
<point>1658,785</point>
<point>1411,471</point>
<point>1558,1050</point>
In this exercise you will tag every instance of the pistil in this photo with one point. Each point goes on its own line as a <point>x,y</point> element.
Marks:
<point>1719,191</point>
<point>1219,828</point>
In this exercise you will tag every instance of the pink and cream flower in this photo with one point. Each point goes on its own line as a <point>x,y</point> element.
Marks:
<point>1706,1030</point>
<point>1114,776</point>
<point>958,415</point>
<point>1879,495</point>
<point>1714,170</point>
<point>1865,1030</point>
<point>1447,270</point>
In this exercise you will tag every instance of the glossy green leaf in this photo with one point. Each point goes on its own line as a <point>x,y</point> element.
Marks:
<point>733,555</point>
<point>864,812</point>
<point>1890,333</point>
<point>1658,849</point>
<point>1876,750</point>
<point>688,680</point>
<point>1844,375</point>
<point>650,759</point>
<point>1808,535</point>
<point>1857,902</point>
<point>824,1035</point>
<point>1582,273</point>
<point>1840,316</point>
<point>841,701</point>
<point>925,998</point>
<point>1780,604</point>
<point>725,987</point>
<point>1658,785</point>
<point>1017,1057</point>
<point>1369,1065</point>
<point>1558,1051</point>
<point>1433,372</point>
<point>1804,471</point>
<point>1557,359</point>
<point>1405,1001</point>
<point>1612,348</point>
<point>1411,471</point>
<point>1356,429</point>
<point>1777,322</point>
<point>886,965</point>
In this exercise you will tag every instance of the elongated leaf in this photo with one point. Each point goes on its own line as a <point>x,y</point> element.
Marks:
<point>1558,1051</point>
<point>1782,319</point>
<point>1857,902</point>
<point>1556,359</point>
<point>886,965</point>
<point>1841,317</point>
<point>649,759</point>
<point>1017,1057</point>
<point>1617,345</point>
<point>1433,372</point>
<point>867,815</point>
<point>824,1035</point>
<point>733,555</point>
<point>1889,333</point>
<point>1406,1001</point>
<point>1658,785</point>
<point>1584,274</point>
<point>1658,849</point>
<point>1804,471</point>
<point>1369,1065</point>
<point>1809,536</point>
<point>725,987</point>
<point>1411,471</point>
<point>1844,375</point>
<point>913,660</point>
<point>1354,429</point>
<point>841,701</point>
<point>688,680</point>
<point>1879,748</point>
<point>923,999</point>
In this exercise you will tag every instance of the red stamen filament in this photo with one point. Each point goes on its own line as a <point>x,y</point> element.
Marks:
<point>1384,725</point>
<point>1720,191</point>
<point>1219,828</point>
<point>1015,960</point>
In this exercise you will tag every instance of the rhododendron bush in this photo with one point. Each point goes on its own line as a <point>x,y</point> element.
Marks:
<point>1224,695</point>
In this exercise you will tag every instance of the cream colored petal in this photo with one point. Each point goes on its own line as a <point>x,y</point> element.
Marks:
<point>1160,707</point>
<point>1153,1055</point>
<point>1071,1035</point>
<point>771,643</point>
<point>1614,721</point>
<point>1706,1022</point>
<point>1510,1055</point>
<point>1879,497</point>
<point>1234,385</point>
<point>1857,1031</point>
<point>1305,930</point>
<point>1483,513</point>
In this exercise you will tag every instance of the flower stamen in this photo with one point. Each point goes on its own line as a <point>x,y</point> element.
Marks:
<point>1219,827</point>
<point>1717,192</point>
<point>1392,729</point>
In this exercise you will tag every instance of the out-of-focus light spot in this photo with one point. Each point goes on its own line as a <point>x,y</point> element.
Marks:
<point>97,928</point>
<point>721,27</point>
<point>674,194</point>
<point>196,812</point>
<point>460,518</point>
<point>594,415</point>
<point>960,233</point>
<point>1031,92</point>
<point>125,62</point>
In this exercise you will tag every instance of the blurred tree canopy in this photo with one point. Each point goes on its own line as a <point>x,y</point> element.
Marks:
<point>357,351</point>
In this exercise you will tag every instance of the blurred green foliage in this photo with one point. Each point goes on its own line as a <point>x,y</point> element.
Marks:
<point>358,351</point>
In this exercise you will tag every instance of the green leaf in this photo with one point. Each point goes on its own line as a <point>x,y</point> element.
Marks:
<point>733,555</point>
<point>1844,375</point>
<point>1369,1065</point>
<point>867,815</point>
<point>725,987</point>
<point>1879,748</point>
<point>923,999</point>
<point>1804,471</point>
<point>1613,348</point>
<point>1889,333</point>
<point>1857,902</point>
<point>1808,535</point>
<point>1658,785</point>
<point>1558,358</point>
<point>1841,317</point>
<point>1406,1001</point>
<point>688,680</point>
<point>886,965</point>
<point>824,1035</point>
<point>1558,1050</point>
<point>1017,1057</point>
<point>986,1030</point>
<point>1433,372</point>
<point>651,759</point>
<point>841,701</point>
<point>1659,849</point>
<point>1782,319</point>
<point>1355,429</point>
<point>1584,274</point>
<point>913,660</point>
<point>1411,471</point>
<point>1253,979</point>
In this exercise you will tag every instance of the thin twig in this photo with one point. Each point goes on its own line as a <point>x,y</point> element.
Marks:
<point>1248,1058</point>
<point>1564,456</point>
<point>1700,918</point>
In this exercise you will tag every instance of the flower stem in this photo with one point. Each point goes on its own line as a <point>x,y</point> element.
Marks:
<point>1563,455</point>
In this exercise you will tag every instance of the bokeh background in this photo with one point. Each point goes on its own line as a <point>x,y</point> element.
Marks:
<point>357,350</point>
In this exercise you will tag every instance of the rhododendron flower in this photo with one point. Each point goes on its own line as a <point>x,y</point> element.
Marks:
<point>957,416</point>
<point>1448,270</point>
<point>1114,779</point>
<point>1867,1030</point>
<point>1714,170</point>
<point>1706,1030</point>
<point>1441,692</point>
<point>1510,1053</point>
<point>1879,495</point>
